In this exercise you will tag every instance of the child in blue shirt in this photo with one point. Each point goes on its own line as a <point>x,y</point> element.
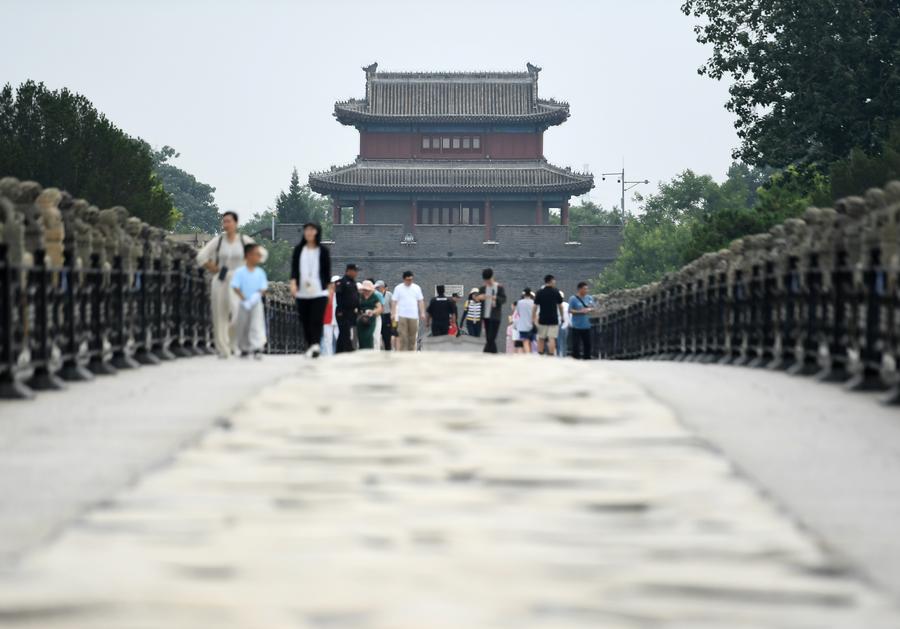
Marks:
<point>250,283</point>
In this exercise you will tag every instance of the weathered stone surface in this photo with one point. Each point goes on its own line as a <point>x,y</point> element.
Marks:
<point>442,491</point>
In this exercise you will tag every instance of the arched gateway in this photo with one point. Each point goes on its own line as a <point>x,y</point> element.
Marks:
<point>451,178</point>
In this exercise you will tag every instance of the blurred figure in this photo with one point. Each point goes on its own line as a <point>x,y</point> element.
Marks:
<point>407,309</point>
<point>549,309</point>
<point>329,322</point>
<point>562,343</point>
<point>388,333</point>
<point>580,306</point>
<point>472,314</point>
<point>492,297</point>
<point>441,310</point>
<point>311,285</point>
<point>524,322</point>
<point>347,301</point>
<point>369,314</point>
<point>250,284</point>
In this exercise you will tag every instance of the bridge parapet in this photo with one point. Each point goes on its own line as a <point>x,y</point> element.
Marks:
<point>87,292</point>
<point>814,295</point>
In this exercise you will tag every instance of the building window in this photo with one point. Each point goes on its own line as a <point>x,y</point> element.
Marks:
<point>476,143</point>
<point>445,143</point>
<point>456,143</point>
<point>426,143</point>
<point>449,216</point>
<point>467,143</point>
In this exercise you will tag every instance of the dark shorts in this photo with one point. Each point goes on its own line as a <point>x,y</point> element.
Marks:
<point>526,336</point>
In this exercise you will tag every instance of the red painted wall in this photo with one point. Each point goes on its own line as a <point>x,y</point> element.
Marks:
<point>497,145</point>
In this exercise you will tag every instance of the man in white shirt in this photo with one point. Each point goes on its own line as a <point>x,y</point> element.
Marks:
<point>407,309</point>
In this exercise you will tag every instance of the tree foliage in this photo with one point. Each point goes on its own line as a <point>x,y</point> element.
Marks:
<point>193,199</point>
<point>693,214</point>
<point>812,79</point>
<point>861,171</point>
<point>58,138</point>
<point>300,204</point>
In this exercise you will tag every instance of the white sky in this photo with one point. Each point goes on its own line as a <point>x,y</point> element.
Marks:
<point>245,90</point>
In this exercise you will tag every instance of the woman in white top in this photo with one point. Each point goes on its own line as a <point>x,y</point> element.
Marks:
<point>222,256</point>
<point>311,285</point>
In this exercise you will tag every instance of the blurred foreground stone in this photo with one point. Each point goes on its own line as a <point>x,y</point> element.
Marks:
<point>443,491</point>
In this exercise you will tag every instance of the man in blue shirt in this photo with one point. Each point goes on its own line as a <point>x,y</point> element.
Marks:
<point>580,306</point>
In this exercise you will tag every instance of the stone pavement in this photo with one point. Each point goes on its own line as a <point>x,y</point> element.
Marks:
<point>444,490</point>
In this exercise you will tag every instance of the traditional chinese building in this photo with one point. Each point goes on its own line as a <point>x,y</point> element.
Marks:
<point>451,177</point>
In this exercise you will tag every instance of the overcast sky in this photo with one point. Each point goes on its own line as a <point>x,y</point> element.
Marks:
<point>245,90</point>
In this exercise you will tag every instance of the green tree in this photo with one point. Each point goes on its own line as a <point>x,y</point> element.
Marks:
<point>59,139</point>
<point>193,199</point>
<point>693,214</point>
<point>812,79</point>
<point>861,171</point>
<point>589,213</point>
<point>300,204</point>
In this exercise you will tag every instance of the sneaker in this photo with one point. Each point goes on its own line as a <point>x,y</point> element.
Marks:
<point>257,355</point>
<point>315,351</point>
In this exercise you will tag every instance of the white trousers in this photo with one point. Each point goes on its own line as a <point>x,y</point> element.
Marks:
<point>225,304</point>
<point>251,328</point>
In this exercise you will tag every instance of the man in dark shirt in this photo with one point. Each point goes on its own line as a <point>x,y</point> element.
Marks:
<point>492,297</point>
<point>547,312</point>
<point>440,310</point>
<point>346,297</point>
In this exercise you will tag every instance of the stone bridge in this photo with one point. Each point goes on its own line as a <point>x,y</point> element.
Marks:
<point>448,488</point>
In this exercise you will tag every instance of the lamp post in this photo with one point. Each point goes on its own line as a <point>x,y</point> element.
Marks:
<point>626,185</point>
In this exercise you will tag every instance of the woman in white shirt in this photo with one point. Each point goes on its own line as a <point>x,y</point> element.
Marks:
<point>311,284</point>
<point>222,256</point>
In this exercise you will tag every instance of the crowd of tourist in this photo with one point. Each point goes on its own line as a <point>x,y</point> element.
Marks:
<point>342,313</point>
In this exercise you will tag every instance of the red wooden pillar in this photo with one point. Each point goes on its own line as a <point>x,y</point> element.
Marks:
<point>413,214</point>
<point>539,211</point>
<point>488,219</point>
<point>362,210</point>
<point>336,212</point>
<point>564,213</point>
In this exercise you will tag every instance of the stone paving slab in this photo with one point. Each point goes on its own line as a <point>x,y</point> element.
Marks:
<point>444,490</point>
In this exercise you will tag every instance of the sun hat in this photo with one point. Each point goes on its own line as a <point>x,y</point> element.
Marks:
<point>367,286</point>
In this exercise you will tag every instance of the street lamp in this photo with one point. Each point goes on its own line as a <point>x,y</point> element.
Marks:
<point>626,185</point>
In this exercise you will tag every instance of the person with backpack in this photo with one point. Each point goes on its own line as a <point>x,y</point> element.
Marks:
<point>222,256</point>
<point>580,306</point>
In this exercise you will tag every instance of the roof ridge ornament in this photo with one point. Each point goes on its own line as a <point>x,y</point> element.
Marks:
<point>370,69</point>
<point>533,70</point>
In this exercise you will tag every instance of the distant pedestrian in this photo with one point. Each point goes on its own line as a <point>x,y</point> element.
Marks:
<point>562,343</point>
<point>250,284</point>
<point>524,319</point>
<point>549,308</point>
<point>329,324</point>
<point>311,285</point>
<point>472,313</point>
<point>407,309</point>
<point>222,256</point>
<point>387,330</point>
<point>370,310</point>
<point>454,328</point>
<point>441,311</point>
<point>492,297</point>
<point>580,306</point>
<point>347,301</point>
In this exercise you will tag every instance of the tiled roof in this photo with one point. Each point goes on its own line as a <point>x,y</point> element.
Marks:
<point>450,176</point>
<point>452,97</point>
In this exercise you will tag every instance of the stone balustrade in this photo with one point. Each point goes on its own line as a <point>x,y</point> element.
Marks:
<point>87,292</point>
<point>815,295</point>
